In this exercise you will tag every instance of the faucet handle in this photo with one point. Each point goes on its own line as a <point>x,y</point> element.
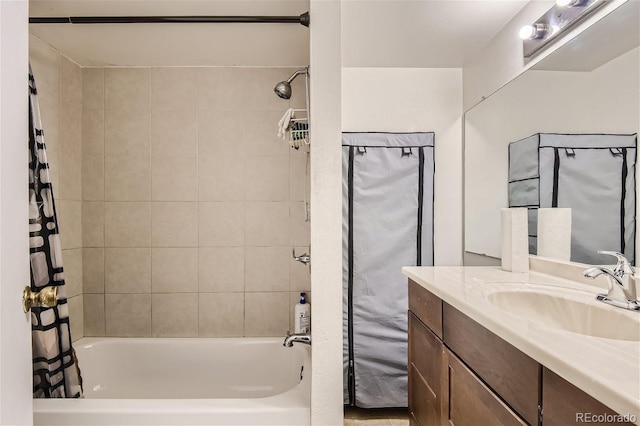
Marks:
<point>623,266</point>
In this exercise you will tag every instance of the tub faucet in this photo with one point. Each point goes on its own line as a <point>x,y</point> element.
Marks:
<point>296,337</point>
<point>622,285</point>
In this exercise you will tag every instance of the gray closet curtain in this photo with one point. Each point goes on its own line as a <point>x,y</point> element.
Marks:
<point>593,174</point>
<point>55,371</point>
<point>387,224</point>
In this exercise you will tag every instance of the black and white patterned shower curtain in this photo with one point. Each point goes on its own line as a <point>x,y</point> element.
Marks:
<point>55,371</point>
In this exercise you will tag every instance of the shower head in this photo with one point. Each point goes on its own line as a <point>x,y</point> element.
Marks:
<point>283,89</point>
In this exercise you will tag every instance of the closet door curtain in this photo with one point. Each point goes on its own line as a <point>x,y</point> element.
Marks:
<point>387,224</point>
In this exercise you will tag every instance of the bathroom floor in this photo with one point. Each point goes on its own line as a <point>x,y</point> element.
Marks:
<point>376,417</point>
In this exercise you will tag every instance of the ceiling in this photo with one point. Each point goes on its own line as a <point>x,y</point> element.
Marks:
<point>375,33</point>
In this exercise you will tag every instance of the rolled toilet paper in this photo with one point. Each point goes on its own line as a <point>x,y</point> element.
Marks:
<point>554,233</point>
<point>515,239</point>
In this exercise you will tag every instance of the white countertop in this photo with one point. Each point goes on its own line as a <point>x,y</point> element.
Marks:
<point>607,369</point>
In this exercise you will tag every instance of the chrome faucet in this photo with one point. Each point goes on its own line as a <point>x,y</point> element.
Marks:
<point>622,285</point>
<point>296,338</point>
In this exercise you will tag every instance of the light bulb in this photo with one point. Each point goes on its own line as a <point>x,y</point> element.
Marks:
<point>527,32</point>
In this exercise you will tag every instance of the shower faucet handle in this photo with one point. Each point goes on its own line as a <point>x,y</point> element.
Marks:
<point>303,258</point>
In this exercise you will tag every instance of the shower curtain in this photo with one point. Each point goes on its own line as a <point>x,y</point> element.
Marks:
<point>55,370</point>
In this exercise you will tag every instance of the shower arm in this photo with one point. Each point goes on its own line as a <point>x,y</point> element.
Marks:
<point>297,73</point>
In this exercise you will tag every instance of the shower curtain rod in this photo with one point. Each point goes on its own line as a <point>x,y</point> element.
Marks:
<point>302,19</point>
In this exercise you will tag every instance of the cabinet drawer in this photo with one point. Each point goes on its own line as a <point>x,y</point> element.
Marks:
<point>564,404</point>
<point>425,352</point>
<point>509,372</point>
<point>471,402</point>
<point>426,306</point>
<point>425,373</point>
<point>423,403</point>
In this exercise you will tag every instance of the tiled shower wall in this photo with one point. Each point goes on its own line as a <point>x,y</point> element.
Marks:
<point>59,84</point>
<point>190,203</point>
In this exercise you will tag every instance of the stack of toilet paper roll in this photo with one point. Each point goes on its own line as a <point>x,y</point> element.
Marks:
<point>553,240</point>
<point>515,239</point>
<point>554,233</point>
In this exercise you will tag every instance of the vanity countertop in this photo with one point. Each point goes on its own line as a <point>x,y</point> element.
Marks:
<point>607,369</point>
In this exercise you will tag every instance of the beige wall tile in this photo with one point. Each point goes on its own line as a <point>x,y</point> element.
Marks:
<point>127,270</point>
<point>174,132</point>
<point>299,274</point>
<point>174,88</point>
<point>298,92</point>
<point>92,224</point>
<point>127,88</point>
<point>267,224</point>
<point>267,268</point>
<point>174,178</point>
<point>267,178</point>
<point>92,131</point>
<point>93,177</point>
<point>221,224</point>
<point>70,173</point>
<point>70,223</point>
<point>220,89</point>
<point>94,320</point>
<point>70,82</point>
<point>128,315</point>
<point>93,270</point>
<point>266,314</point>
<point>299,228</point>
<point>127,178</point>
<point>70,127</point>
<point>126,132</point>
<point>72,264</point>
<point>220,133</point>
<point>221,178</point>
<point>93,88</point>
<point>221,269</point>
<point>76,317</point>
<point>174,270</point>
<point>174,224</point>
<point>175,315</point>
<point>127,224</point>
<point>221,315</point>
<point>261,137</point>
<point>257,85</point>
<point>299,185</point>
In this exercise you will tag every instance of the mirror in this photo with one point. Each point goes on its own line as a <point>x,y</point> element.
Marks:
<point>588,86</point>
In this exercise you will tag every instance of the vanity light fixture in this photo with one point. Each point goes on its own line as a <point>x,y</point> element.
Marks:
<point>564,15</point>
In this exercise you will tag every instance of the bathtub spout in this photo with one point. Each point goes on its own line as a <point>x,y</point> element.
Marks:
<point>296,338</point>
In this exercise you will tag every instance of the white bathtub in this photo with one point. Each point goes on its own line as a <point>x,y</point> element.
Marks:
<point>228,381</point>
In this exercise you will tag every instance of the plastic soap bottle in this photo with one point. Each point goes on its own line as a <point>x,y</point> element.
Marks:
<point>302,315</point>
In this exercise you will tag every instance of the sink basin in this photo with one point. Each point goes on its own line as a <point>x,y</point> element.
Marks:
<point>568,311</point>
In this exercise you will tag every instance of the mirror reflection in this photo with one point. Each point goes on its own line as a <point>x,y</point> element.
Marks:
<point>587,87</point>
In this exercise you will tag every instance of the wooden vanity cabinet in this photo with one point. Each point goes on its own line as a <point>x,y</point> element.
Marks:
<point>564,404</point>
<point>460,373</point>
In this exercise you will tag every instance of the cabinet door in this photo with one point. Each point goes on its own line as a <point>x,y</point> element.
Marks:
<point>425,373</point>
<point>563,404</point>
<point>471,402</point>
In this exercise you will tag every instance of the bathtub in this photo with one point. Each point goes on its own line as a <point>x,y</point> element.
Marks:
<point>156,381</point>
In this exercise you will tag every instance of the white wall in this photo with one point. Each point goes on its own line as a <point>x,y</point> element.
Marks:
<point>602,101</point>
<point>502,60</point>
<point>326,214</point>
<point>15,337</point>
<point>416,100</point>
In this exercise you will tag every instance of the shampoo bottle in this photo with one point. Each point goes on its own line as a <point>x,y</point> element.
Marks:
<point>302,319</point>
